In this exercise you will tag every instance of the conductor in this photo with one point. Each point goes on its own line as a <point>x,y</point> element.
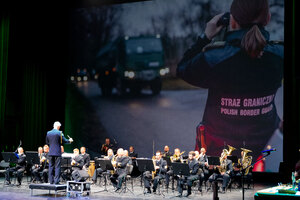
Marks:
<point>55,139</point>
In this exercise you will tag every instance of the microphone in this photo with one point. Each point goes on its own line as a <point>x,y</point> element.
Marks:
<point>269,150</point>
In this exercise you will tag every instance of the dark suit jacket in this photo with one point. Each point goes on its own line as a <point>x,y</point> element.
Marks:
<point>121,164</point>
<point>162,166</point>
<point>194,166</point>
<point>21,161</point>
<point>86,159</point>
<point>79,162</point>
<point>54,140</point>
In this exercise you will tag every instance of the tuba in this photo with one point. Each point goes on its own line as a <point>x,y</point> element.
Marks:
<point>246,160</point>
<point>225,152</point>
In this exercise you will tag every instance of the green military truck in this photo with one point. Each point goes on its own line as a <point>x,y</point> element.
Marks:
<point>131,63</point>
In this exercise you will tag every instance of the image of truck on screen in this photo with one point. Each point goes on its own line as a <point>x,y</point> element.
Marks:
<point>131,64</point>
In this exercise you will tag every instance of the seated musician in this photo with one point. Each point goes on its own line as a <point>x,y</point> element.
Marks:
<point>120,169</point>
<point>132,154</point>
<point>194,167</point>
<point>19,168</point>
<point>43,167</point>
<point>225,170</point>
<point>126,154</point>
<point>107,145</point>
<point>160,172</point>
<point>247,173</point>
<point>77,162</point>
<point>204,172</point>
<point>177,157</point>
<point>98,171</point>
<point>36,167</point>
<point>167,152</point>
<point>86,158</point>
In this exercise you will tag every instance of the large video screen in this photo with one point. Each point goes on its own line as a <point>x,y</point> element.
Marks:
<point>128,82</point>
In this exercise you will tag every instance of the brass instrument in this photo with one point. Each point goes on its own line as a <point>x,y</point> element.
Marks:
<point>154,163</point>
<point>176,157</point>
<point>225,152</point>
<point>114,163</point>
<point>246,160</point>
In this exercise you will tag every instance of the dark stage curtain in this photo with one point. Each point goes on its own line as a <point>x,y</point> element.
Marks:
<point>4,39</point>
<point>34,106</point>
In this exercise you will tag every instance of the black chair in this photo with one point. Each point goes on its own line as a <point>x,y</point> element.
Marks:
<point>129,169</point>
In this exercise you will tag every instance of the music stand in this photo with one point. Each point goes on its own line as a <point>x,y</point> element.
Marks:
<point>143,166</point>
<point>168,159</point>
<point>234,159</point>
<point>212,160</point>
<point>9,157</point>
<point>105,166</point>
<point>32,158</point>
<point>181,169</point>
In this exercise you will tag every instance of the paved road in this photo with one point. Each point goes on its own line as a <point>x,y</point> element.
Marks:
<point>167,119</point>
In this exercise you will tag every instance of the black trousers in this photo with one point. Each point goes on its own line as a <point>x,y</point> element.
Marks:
<point>148,178</point>
<point>37,174</point>
<point>204,175</point>
<point>189,180</point>
<point>96,173</point>
<point>119,177</point>
<point>19,172</point>
<point>226,179</point>
<point>54,166</point>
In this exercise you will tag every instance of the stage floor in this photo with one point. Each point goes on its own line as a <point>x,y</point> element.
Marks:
<point>23,192</point>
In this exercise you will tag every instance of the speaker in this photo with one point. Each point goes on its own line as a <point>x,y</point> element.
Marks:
<point>80,175</point>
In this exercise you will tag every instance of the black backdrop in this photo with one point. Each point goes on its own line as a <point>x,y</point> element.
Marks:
<point>37,74</point>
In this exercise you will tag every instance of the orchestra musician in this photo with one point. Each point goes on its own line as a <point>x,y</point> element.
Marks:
<point>36,166</point>
<point>127,155</point>
<point>120,172</point>
<point>160,172</point>
<point>194,167</point>
<point>86,158</point>
<point>98,171</point>
<point>77,162</point>
<point>167,152</point>
<point>19,168</point>
<point>107,145</point>
<point>177,157</point>
<point>43,167</point>
<point>225,173</point>
<point>204,168</point>
<point>132,153</point>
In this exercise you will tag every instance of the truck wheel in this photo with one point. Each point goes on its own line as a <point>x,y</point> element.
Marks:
<point>156,86</point>
<point>121,89</point>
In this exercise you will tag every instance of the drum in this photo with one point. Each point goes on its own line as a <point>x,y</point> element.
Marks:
<point>91,169</point>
